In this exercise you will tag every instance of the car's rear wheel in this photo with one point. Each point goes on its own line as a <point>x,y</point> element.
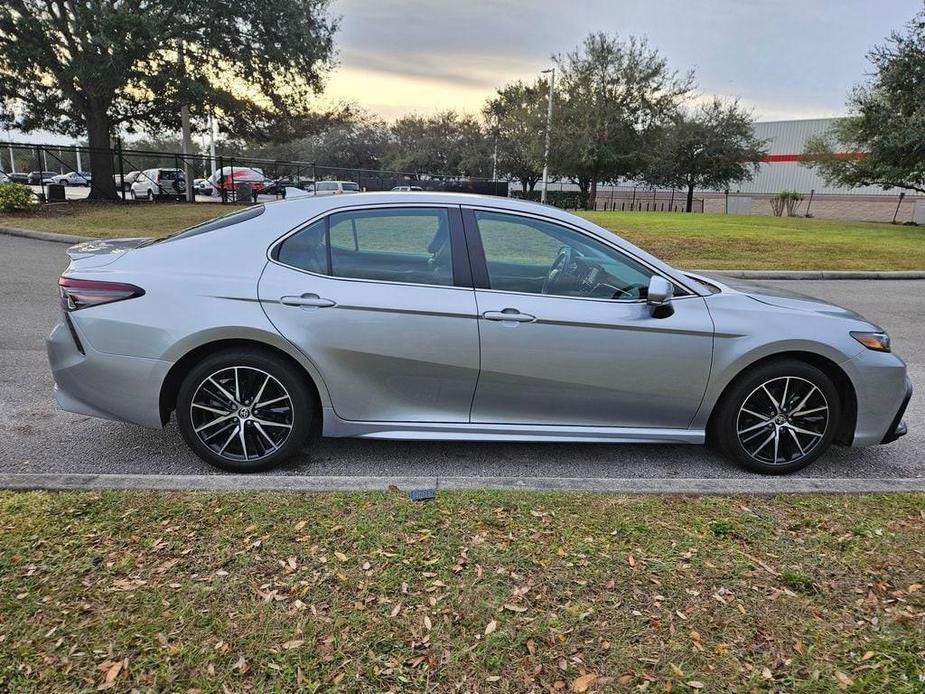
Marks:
<point>150,195</point>
<point>245,411</point>
<point>778,417</point>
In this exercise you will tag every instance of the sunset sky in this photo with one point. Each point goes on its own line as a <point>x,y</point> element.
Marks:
<point>784,58</point>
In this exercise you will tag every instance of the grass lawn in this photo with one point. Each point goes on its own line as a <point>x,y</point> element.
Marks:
<point>472,592</point>
<point>736,242</point>
<point>695,241</point>
<point>113,221</point>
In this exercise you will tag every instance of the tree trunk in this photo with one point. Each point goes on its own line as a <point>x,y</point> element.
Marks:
<point>523,184</point>
<point>689,207</point>
<point>98,132</point>
<point>592,196</point>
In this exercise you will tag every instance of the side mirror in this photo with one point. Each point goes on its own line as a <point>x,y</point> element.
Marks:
<point>659,296</point>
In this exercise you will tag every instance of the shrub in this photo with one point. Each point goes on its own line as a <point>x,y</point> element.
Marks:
<point>15,197</point>
<point>786,200</point>
<point>565,199</point>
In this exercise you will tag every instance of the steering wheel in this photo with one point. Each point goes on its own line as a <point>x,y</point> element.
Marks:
<point>560,271</point>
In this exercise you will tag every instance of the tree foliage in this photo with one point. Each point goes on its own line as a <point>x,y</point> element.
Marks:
<point>611,96</point>
<point>445,144</point>
<point>882,142</point>
<point>516,122</point>
<point>75,66</point>
<point>709,147</point>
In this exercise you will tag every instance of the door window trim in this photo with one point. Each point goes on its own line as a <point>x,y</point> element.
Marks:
<point>479,265</point>
<point>461,268</point>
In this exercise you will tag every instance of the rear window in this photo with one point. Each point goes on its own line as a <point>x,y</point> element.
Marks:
<point>223,222</point>
<point>350,186</point>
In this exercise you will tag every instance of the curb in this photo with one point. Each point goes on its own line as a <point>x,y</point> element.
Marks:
<point>297,483</point>
<point>815,274</point>
<point>734,274</point>
<point>45,235</point>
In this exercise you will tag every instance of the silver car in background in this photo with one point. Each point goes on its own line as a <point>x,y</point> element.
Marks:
<point>456,317</point>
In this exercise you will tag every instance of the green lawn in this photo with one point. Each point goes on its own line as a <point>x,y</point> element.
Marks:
<point>113,221</point>
<point>473,591</point>
<point>735,242</point>
<point>695,241</point>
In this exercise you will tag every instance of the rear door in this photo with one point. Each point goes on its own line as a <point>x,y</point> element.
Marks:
<point>380,299</point>
<point>567,337</point>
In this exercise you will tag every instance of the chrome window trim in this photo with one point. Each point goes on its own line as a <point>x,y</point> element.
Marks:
<point>583,232</point>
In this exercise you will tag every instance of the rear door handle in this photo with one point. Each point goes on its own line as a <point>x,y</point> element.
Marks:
<point>306,301</point>
<point>509,314</point>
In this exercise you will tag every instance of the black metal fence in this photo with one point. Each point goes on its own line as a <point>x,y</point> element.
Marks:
<point>226,177</point>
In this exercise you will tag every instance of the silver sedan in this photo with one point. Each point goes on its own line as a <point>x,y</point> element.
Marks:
<point>446,316</point>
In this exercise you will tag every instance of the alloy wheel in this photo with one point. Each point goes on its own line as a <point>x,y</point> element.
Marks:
<point>782,420</point>
<point>242,413</point>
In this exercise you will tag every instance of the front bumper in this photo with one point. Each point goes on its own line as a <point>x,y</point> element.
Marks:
<point>898,426</point>
<point>99,384</point>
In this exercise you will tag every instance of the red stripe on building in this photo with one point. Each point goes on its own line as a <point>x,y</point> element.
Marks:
<point>775,158</point>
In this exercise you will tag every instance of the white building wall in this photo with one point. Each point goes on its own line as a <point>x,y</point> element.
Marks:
<point>787,139</point>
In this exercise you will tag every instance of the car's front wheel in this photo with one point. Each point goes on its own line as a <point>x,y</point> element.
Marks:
<point>245,411</point>
<point>778,417</point>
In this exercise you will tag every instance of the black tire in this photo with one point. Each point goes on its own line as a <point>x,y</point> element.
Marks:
<point>761,387</point>
<point>250,366</point>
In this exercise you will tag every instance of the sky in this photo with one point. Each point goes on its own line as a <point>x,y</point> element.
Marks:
<point>782,58</point>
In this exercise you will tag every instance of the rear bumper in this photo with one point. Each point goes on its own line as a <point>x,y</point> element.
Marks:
<point>98,384</point>
<point>898,426</point>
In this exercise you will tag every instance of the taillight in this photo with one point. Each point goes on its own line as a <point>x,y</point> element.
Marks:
<point>77,294</point>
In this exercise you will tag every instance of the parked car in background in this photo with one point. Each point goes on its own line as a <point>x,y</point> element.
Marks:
<point>440,316</point>
<point>4,178</point>
<point>278,186</point>
<point>335,187</point>
<point>37,178</point>
<point>73,178</point>
<point>228,178</point>
<point>18,177</point>
<point>125,183</point>
<point>201,186</point>
<point>158,184</point>
<point>408,188</point>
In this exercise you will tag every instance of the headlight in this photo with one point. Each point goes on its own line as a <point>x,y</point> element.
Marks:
<point>879,342</point>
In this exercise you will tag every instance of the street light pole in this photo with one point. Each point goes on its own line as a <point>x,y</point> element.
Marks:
<point>552,82</point>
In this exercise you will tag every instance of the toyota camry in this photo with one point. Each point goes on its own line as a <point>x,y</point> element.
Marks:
<point>437,316</point>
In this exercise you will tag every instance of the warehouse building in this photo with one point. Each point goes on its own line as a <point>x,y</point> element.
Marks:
<point>782,170</point>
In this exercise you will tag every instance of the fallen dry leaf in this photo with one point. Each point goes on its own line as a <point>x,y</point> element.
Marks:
<point>295,643</point>
<point>490,627</point>
<point>515,608</point>
<point>844,679</point>
<point>581,684</point>
<point>340,556</point>
<point>695,684</point>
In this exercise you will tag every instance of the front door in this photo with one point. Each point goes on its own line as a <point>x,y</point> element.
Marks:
<point>566,335</point>
<point>373,298</point>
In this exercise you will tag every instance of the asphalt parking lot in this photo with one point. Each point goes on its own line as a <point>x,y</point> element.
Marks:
<point>36,438</point>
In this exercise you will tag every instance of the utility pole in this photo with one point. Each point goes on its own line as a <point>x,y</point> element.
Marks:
<point>212,125</point>
<point>187,138</point>
<point>77,152</point>
<point>552,82</point>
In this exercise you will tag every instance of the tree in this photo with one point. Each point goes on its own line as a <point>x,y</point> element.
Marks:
<point>358,142</point>
<point>709,147</point>
<point>445,144</point>
<point>611,95</point>
<point>75,66</point>
<point>516,118</point>
<point>882,142</point>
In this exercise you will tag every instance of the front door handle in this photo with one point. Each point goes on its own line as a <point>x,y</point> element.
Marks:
<point>509,314</point>
<point>306,301</point>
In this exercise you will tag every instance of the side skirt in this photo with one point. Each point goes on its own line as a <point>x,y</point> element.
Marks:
<point>334,426</point>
